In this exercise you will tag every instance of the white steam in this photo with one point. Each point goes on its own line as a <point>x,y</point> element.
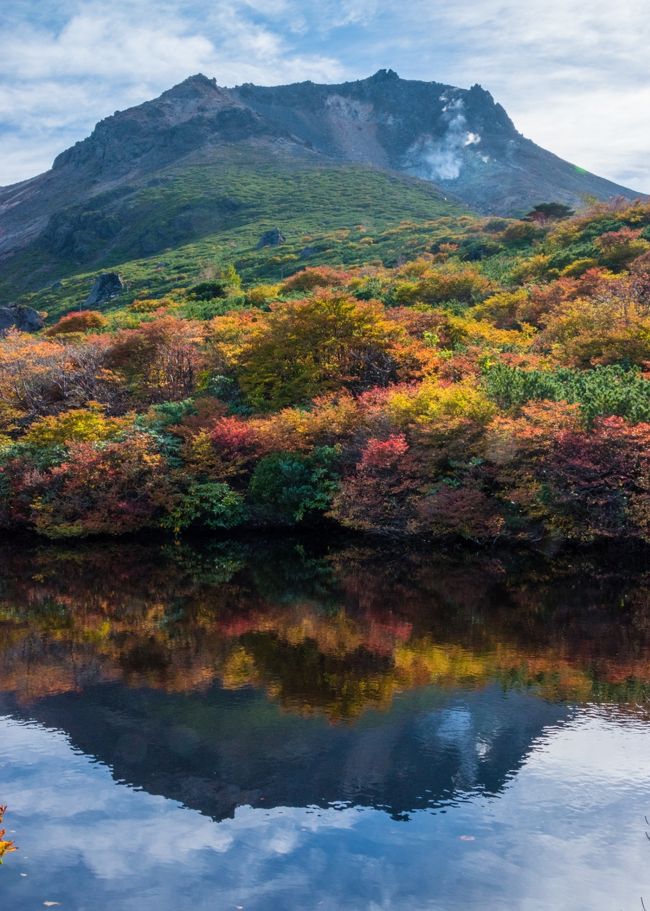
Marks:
<point>441,158</point>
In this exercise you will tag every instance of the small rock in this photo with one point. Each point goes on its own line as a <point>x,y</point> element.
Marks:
<point>105,286</point>
<point>272,238</point>
<point>24,318</point>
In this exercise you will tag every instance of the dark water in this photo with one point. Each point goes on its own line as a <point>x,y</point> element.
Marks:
<point>240,726</point>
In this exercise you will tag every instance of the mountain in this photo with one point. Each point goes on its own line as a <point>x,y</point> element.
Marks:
<point>462,140</point>
<point>202,160</point>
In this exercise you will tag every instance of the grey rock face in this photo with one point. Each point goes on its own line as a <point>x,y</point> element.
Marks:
<point>7,320</point>
<point>105,286</point>
<point>26,319</point>
<point>78,233</point>
<point>272,238</point>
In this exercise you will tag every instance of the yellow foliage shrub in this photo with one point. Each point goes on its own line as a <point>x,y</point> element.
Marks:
<point>263,294</point>
<point>467,330</point>
<point>431,402</point>
<point>74,426</point>
<point>503,309</point>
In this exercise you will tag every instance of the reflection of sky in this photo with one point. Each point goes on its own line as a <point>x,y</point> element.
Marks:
<point>567,833</point>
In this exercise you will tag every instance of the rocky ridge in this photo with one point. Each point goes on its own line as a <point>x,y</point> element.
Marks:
<point>460,141</point>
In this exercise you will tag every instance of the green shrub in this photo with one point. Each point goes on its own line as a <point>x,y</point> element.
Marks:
<point>208,504</point>
<point>288,486</point>
<point>601,392</point>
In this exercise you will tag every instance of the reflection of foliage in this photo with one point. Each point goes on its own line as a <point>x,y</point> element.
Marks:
<point>290,573</point>
<point>308,680</point>
<point>212,564</point>
<point>48,614</point>
<point>6,846</point>
<point>330,633</point>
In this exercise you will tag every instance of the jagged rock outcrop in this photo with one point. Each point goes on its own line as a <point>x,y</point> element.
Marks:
<point>272,238</point>
<point>26,319</point>
<point>105,286</point>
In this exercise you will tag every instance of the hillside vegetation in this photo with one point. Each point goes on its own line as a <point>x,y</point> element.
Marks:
<point>463,377</point>
<point>166,231</point>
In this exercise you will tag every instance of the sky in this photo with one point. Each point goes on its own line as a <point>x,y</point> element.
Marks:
<point>574,75</point>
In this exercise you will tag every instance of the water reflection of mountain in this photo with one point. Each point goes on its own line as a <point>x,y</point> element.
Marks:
<point>218,750</point>
<point>227,674</point>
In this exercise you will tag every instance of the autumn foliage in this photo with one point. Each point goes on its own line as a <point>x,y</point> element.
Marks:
<point>6,846</point>
<point>427,399</point>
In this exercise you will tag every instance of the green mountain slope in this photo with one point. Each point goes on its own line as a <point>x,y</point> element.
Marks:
<point>192,217</point>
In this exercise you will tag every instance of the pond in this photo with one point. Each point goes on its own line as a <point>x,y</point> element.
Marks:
<point>323,725</point>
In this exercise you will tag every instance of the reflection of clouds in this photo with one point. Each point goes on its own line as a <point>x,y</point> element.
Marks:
<point>572,819</point>
<point>586,754</point>
<point>69,810</point>
<point>566,833</point>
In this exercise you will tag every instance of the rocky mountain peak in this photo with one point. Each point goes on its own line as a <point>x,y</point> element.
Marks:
<point>197,86</point>
<point>460,140</point>
<point>200,79</point>
<point>168,126</point>
<point>384,76</point>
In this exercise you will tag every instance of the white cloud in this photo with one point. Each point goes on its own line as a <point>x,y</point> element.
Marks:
<point>573,74</point>
<point>58,81</point>
<point>333,14</point>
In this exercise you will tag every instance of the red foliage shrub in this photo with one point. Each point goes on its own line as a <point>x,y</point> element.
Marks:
<point>599,481</point>
<point>80,321</point>
<point>382,455</point>
<point>161,359</point>
<point>234,436</point>
<point>100,489</point>
<point>465,512</point>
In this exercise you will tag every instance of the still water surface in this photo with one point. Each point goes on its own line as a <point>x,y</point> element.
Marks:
<point>240,726</point>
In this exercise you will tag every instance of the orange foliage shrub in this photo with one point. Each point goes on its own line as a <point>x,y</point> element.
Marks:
<point>316,277</point>
<point>79,321</point>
